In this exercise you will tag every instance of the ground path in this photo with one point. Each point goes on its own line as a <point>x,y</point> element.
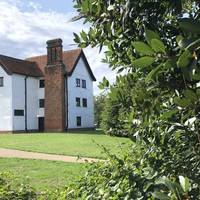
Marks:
<point>11,153</point>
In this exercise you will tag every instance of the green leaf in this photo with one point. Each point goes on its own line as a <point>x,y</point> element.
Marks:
<point>169,64</point>
<point>193,45</point>
<point>168,183</point>
<point>185,183</point>
<point>190,44</point>
<point>196,75</point>
<point>77,38</point>
<point>149,35</point>
<point>143,48</point>
<point>120,70</point>
<point>153,73</point>
<point>179,38</point>
<point>189,25</point>
<point>143,62</point>
<point>158,46</point>
<point>85,6</point>
<point>185,59</point>
<point>190,96</point>
<point>169,114</point>
<point>160,196</point>
<point>104,84</point>
<point>182,102</point>
<point>83,35</point>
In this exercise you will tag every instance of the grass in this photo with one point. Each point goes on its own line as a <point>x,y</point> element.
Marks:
<point>41,174</point>
<point>75,144</point>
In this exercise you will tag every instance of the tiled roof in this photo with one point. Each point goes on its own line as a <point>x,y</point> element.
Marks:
<point>14,65</point>
<point>70,59</point>
<point>35,66</point>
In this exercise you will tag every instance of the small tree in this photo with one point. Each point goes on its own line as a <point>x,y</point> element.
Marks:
<point>99,103</point>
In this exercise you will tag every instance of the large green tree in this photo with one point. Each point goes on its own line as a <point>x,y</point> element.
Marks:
<point>158,43</point>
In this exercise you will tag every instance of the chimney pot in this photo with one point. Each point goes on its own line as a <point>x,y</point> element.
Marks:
<point>54,51</point>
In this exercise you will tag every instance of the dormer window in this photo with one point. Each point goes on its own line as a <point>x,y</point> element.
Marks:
<point>1,81</point>
<point>78,82</point>
<point>83,83</point>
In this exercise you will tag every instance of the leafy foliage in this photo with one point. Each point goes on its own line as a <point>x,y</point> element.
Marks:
<point>127,178</point>
<point>157,102</point>
<point>99,103</point>
<point>9,190</point>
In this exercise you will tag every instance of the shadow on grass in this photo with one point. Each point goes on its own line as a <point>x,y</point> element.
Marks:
<point>92,132</point>
<point>73,131</point>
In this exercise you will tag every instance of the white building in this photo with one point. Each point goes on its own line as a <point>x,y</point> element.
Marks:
<point>53,92</point>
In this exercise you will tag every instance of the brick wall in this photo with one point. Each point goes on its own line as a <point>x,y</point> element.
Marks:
<point>54,88</point>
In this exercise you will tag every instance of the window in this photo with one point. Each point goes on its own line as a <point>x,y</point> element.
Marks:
<point>19,112</point>
<point>78,121</point>
<point>41,103</point>
<point>78,102</point>
<point>83,83</point>
<point>84,102</point>
<point>1,81</point>
<point>78,82</point>
<point>42,83</point>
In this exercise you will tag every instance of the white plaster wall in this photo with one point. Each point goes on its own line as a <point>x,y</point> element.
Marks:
<point>18,93</point>
<point>6,102</point>
<point>40,112</point>
<point>32,103</point>
<point>87,114</point>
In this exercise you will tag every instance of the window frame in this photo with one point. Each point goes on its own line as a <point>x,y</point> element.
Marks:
<point>78,82</point>
<point>84,102</point>
<point>84,85</point>
<point>42,83</point>
<point>1,78</point>
<point>78,121</point>
<point>41,103</point>
<point>78,102</point>
<point>18,112</point>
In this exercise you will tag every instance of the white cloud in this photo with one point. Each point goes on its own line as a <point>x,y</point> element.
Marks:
<point>25,28</point>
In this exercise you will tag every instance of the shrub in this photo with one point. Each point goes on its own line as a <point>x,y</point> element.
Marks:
<point>157,101</point>
<point>126,178</point>
<point>10,190</point>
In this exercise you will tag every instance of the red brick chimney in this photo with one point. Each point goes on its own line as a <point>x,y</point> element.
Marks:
<point>54,87</point>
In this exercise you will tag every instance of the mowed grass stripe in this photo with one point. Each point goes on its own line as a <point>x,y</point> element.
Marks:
<point>42,175</point>
<point>84,144</point>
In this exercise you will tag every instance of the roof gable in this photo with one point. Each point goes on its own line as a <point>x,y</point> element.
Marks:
<point>82,55</point>
<point>70,60</point>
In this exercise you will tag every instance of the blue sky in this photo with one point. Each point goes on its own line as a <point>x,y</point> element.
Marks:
<point>26,25</point>
<point>63,6</point>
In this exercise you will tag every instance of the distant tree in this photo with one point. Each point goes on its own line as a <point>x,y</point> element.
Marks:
<point>114,115</point>
<point>99,104</point>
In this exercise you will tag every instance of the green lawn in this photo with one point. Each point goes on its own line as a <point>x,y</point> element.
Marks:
<point>42,174</point>
<point>77,144</point>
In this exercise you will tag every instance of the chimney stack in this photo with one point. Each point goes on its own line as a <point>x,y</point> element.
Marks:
<point>55,87</point>
<point>54,52</point>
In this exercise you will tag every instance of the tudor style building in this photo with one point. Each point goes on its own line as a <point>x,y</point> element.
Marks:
<point>52,92</point>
